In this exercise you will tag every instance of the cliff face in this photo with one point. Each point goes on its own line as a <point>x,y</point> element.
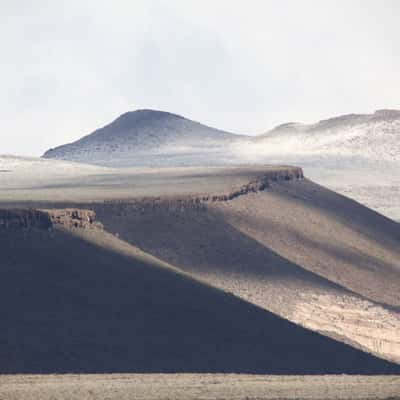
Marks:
<point>259,184</point>
<point>17,219</point>
<point>24,219</point>
<point>74,218</point>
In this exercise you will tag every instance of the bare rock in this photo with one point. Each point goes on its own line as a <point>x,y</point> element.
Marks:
<point>74,218</point>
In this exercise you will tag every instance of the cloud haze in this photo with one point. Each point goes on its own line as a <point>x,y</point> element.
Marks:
<point>68,67</point>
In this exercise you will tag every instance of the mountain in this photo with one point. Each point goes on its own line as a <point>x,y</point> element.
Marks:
<point>375,136</point>
<point>147,137</point>
<point>74,298</point>
<point>357,155</point>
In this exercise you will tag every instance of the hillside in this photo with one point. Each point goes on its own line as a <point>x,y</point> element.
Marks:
<point>297,249</point>
<point>375,136</point>
<point>263,233</point>
<point>81,300</point>
<point>148,137</point>
<point>357,155</point>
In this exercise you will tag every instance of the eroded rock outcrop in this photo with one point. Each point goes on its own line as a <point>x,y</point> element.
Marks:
<point>74,218</point>
<point>16,219</point>
<point>260,183</point>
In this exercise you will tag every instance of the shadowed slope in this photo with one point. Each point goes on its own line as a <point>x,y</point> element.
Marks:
<point>325,233</point>
<point>296,249</point>
<point>91,303</point>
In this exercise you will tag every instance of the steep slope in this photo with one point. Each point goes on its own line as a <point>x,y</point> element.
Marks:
<point>263,233</point>
<point>296,249</point>
<point>80,300</point>
<point>147,137</point>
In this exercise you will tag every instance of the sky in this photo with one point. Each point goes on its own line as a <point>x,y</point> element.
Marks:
<point>70,67</point>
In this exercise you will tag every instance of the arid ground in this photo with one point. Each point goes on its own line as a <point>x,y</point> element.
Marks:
<point>197,386</point>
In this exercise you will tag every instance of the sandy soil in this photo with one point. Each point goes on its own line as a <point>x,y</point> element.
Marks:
<point>197,386</point>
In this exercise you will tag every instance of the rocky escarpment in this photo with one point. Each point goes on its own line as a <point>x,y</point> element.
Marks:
<point>199,202</point>
<point>64,214</point>
<point>74,218</point>
<point>260,183</point>
<point>14,219</point>
<point>17,219</point>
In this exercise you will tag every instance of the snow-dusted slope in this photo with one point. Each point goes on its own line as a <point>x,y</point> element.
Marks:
<point>357,155</point>
<point>147,137</point>
<point>374,136</point>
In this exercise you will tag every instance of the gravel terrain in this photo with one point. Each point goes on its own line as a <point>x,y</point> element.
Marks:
<point>197,386</point>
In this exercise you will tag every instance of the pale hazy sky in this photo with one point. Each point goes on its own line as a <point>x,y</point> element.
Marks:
<point>69,67</point>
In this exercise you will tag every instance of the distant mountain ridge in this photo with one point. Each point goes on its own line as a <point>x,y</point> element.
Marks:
<point>386,115</point>
<point>159,138</point>
<point>135,124</point>
<point>371,136</point>
<point>146,132</point>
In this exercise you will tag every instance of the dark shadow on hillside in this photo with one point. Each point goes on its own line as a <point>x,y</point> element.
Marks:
<point>204,242</point>
<point>67,305</point>
<point>346,265</point>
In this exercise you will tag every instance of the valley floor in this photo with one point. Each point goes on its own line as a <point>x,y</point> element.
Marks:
<point>197,386</point>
